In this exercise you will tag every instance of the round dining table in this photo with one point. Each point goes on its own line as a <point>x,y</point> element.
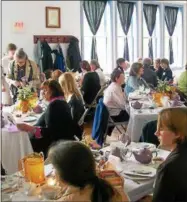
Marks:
<point>15,144</point>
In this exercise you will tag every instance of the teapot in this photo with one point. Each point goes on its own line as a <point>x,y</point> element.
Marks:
<point>175,103</point>
<point>33,167</point>
<point>144,155</point>
<point>116,152</point>
<point>136,105</point>
<point>38,109</point>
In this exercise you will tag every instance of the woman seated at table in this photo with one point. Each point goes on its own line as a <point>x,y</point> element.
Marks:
<point>115,99</point>
<point>171,184</point>
<point>57,122</point>
<point>56,74</point>
<point>167,74</point>
<point>95,67</point>
<point>74,99</point>
<point>135,80</point>
<point>90,84</point>
<point>75,169</point>
<point>158,68</point>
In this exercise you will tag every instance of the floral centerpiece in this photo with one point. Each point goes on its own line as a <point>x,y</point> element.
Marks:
<point>163,89</point>
<point>27,99</point>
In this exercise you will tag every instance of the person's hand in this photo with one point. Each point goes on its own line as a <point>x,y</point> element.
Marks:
<point>25,127</point>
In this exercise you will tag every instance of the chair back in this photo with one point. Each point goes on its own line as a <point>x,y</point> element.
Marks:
<point>100,123</point>
<point>93,104</point>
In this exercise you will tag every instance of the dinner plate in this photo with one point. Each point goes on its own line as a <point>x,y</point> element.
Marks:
<point>139,170</point>
<point>139,178</point>
<point>30,119</point>
<point>141,145</point>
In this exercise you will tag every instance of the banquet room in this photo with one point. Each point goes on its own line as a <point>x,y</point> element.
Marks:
<point>94,101</point>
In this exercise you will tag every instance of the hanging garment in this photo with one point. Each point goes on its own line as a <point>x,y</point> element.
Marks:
<point>47,61</point>
<point>73,55</point>
<point>59,62</point>
<point>38,55</point>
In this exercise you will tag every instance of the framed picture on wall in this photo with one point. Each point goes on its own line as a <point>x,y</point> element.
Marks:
<point>52,17</point>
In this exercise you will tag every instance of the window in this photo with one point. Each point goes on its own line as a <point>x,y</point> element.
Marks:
<point>155,37</point>
<point>176,40</point>
<point>132,37</point>
<point>103,38</point>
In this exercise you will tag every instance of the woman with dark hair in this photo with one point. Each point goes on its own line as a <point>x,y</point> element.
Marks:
<point>90,83</point>
<point>135,80</point>
<point>56,121</point>
<point>115,99</point>
<point>158,68</point>
<point>95,67</point>
<point>167,74</point>
<point>121,64</point>
<point>171,184</point>
<point>56,74</point>
<point>80,183</point>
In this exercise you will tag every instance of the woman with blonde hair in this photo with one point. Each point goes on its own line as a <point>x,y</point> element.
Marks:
<point>73,98</point>
<point>171,184</point>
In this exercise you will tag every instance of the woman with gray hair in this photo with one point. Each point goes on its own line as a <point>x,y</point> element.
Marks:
<point>22,72</point>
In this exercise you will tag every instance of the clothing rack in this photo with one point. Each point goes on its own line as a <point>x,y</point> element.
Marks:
<point>53,38</point>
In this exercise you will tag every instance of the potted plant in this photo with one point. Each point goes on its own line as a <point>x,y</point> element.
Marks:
<point>163,89</point>
<point>25,97</point>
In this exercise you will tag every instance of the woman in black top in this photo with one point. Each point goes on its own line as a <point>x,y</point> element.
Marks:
<point>56,121</point>
<point>171,179</point>
<point>74,99</point>
<point>167,74</point>
<point>158,68</point>
<point>90,84</point>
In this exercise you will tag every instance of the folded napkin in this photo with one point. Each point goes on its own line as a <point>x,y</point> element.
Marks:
<point>11,128</point>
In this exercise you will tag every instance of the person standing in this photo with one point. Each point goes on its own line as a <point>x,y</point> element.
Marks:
<point>22,72</point>
<point>11,48</point>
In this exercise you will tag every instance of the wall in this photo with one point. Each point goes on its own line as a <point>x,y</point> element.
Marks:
<point>32,13</point>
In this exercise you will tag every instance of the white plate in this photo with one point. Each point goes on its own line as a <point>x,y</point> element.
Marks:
<point>139,170</point>
<point>139,178</point>
<point>141,145</point>
<point>30,119</point>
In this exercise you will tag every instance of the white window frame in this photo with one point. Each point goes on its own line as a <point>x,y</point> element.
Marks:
<point>153,36</point>
<point>139,10</point>
<point>136,36</point>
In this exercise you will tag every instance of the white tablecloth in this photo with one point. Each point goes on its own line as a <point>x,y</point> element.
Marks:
<point>15,145</point>
<point>138,119</point>
<point>134,190</point>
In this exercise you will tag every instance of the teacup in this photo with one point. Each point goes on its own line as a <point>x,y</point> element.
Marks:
<point>50,192</point>
<point>29,188</point>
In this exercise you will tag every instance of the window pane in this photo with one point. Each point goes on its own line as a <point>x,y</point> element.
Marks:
<point>176,41</point>
<point>103,38</point>
<point>155,37</point>
<point>132,37</point>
